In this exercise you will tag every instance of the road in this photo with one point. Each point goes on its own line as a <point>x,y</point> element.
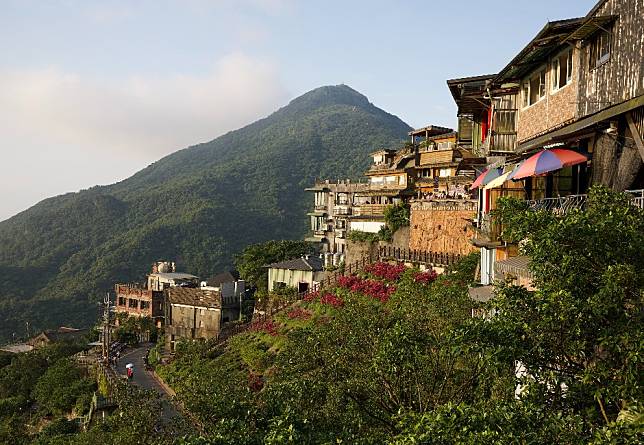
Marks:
<point>143,378</point>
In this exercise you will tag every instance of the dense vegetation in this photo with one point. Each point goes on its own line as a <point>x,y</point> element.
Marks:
<point>393,355</point>
<point>198,207</point>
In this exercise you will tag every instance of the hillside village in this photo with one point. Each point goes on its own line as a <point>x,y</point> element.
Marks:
<point>562,117</point>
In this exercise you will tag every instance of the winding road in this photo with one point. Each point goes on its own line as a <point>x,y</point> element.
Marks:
<point>145,379</point>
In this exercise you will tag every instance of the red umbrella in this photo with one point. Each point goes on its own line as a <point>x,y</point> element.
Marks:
<point>485,177</point>
<point>546,161</point>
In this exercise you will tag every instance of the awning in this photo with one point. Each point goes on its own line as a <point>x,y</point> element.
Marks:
<point>487,176</point>
<point>546,161</point>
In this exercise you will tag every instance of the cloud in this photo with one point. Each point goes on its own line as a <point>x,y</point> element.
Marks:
<point>63,131</point>
<point>153,115</point>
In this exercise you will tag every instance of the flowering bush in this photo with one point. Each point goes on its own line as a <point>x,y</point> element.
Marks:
<point>331,300</point>
<point>311,296</point>
<point>386,271</point>
<point>299,313</point>
<point>372,288</point>
<point>267,326</point>
<point>425,277</point>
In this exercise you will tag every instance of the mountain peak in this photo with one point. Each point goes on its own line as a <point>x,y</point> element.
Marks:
<point>330,95</point>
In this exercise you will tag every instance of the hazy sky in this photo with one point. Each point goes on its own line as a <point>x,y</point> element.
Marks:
<point>92,91</point>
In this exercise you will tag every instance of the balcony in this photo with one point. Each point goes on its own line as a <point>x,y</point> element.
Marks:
<point>340,233</point>
<point>345,209</point>
<point>369,210</point>
<point>561,205</point>
<point>320,207</point>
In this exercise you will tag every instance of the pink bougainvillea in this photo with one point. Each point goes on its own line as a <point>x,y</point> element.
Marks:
<point>386,271</point>
<point>425,277</point>
<point>311,296</point>
<point>267,326</point>
<point>332,300</point>
<point>372,288</point>
<point>299,314</point>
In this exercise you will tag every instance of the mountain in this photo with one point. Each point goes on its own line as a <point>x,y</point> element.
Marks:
<point>198,207</point>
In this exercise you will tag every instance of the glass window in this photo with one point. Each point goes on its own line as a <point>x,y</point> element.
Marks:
<point>562,70</point>
<point>599,49</point>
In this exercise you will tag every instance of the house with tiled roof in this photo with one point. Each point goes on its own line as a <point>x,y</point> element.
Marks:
<point>191,314</point>
<point>301,273</point>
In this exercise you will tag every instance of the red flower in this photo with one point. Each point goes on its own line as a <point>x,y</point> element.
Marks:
<point>332,300</point>
<point>299,313</point>
<point>311,296</point>
<point>372,288</point>
<point>267,326</point>
<point>386,271</point>
<point>425,277</point>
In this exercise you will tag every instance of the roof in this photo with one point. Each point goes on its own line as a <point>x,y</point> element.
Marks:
<point>194,297</point>
<point>17,348</point>
<point>174,276</point>
<point>468,92</point>
<point>431,130</point>
<point>230,276</point>
<point>546,42</point>
<point>313,263</point>
<point>383,150</point>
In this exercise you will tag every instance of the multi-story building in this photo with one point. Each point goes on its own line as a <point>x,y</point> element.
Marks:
<point>445,170</point>
<point>148,300</point>
<point>579,85</point>
<point>334,204</point>
<point>135,301</point>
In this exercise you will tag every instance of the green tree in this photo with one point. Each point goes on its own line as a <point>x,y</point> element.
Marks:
<point>579,334</point>
<point>61,386</point>
<point>252,260</point>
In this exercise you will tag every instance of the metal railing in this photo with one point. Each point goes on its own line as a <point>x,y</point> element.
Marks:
<point>560,205</point>
<point>637,196</point>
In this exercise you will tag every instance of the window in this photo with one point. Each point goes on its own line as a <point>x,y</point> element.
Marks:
<point>599,49</point>
<point>562,70</point>
<point>145,305</point>
<point>122,301</point>
<point>133,303</point>
<point>445,172</point>
<point>534,89</point>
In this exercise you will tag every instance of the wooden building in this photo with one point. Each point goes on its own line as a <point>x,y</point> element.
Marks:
<point>300,273</point>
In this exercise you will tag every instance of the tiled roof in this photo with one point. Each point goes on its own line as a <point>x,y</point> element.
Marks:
<point>313,263</point>
<point>193,297</point>
<point>230,276</point>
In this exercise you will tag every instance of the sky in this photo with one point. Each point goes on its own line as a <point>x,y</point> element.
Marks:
<point>93,91</point>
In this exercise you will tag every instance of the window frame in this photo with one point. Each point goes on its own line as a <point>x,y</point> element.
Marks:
<point>527,94</point>
<point>594,48</point>
<point>556,72</point>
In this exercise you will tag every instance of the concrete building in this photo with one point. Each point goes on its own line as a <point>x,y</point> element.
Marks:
<point>301,273</point>
<point>138,302</point>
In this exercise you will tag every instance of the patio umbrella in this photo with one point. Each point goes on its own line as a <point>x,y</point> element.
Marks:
<point>485,177</point>
<point>546,161</point>
<point>500,180</point>
<point>129,366</point>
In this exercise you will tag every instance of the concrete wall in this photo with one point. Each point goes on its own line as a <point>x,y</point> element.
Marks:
<point>442,227</point>
<point>366,226</point>
<point>358,250</point>
<point>291,277</point>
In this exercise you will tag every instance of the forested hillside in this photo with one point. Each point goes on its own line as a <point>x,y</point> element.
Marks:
<point>197,207</point>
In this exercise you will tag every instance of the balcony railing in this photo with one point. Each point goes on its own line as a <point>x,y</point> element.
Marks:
<point>369,210</point>
<point>344,210</point>
<point>638,197</point>
<point>320,207</point>
<point>560,205</point>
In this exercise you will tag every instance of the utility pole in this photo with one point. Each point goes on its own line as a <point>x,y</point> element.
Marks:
<point>105,331</point>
